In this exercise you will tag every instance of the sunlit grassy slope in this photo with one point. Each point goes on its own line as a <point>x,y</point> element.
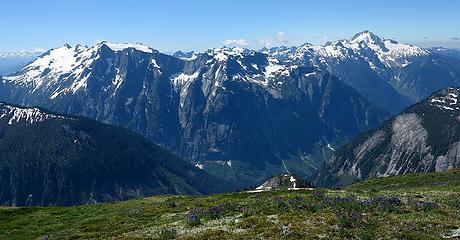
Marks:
<point>420,206</point>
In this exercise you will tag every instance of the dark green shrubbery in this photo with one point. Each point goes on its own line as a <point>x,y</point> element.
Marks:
<point>168,233</point>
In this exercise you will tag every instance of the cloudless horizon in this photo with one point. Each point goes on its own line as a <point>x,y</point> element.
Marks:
<point>198,25</point>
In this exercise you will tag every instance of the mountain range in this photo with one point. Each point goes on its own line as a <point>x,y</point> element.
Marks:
<point>239,114</point>
<point>53,159</point>
<point>447,51</point>
<point>389,74</point>
<point>11,62</point>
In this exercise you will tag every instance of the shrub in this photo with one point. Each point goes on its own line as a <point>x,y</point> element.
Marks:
<point>168,233</point>
<point>246,211</point>
<point>279,202</point>
<point>349,219</point>
<point>425,206</point>
<point>171,204</point>
<point>296,202</point>
<point>387,203</point>
<point>217,211</point>
<point>258,197</point>
<point>345,203</point>
<point>455,203</point>
<point>193,220</point>
<point>383,201</point>
<point>318,194</point>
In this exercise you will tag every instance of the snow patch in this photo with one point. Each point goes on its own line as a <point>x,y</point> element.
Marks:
<point>330,147</point>
<point>28,115</point>
<point>199,165</point>
<point>182,79</point>
<point>122,46</point>
<point>129,101</point>
<point>447,100</point>
<point>274,68</point>
<point>154,63</point>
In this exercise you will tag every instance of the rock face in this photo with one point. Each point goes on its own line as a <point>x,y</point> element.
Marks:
<point>284,181</point>
<point>423,138</point>
<point>239,114</point>
<point>52,159</point>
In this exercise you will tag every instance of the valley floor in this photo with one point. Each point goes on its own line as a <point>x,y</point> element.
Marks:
<point>421,206</point>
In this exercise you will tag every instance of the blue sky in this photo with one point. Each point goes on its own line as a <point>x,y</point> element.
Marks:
<point>197,25</point>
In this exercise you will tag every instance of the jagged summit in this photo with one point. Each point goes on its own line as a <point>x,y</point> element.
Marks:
<point>186,55</point>
<point>365,36</point>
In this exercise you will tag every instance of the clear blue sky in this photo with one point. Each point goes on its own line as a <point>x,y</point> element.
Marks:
<point>198,25</point>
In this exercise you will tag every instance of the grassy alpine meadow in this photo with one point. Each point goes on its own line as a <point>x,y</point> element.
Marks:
<point>418,206</point>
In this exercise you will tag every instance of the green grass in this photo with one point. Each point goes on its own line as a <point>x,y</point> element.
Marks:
<point>420,206</point>
<point>449,181</point>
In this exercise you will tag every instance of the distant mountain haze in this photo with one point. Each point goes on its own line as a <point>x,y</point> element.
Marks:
<point>14,61</point>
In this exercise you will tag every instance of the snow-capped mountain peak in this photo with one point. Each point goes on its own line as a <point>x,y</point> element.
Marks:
<point>67,69</point>
<point>366,37</point>
<point>366,40</point>
<point>65,60</point>
<point>377,51</point>
<point>389,47</point>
